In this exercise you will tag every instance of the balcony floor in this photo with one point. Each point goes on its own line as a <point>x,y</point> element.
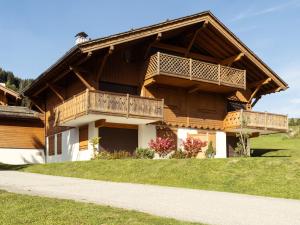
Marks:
<point>188,84</point>
<point>84,119</point>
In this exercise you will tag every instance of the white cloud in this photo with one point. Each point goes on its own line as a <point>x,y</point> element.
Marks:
<point>252,12</point>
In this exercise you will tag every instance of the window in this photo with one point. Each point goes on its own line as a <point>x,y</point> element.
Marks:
<point>118,88</point>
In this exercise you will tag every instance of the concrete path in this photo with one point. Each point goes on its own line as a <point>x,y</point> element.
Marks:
<point>184,204</point>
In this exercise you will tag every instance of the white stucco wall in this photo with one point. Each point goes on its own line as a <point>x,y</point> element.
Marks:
<point>21,156</point>
<point>70,146</point>
<point>182,134</point>
<point>221,145</point>
<point>145,134</point>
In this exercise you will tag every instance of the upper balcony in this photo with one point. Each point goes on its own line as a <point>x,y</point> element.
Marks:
<point>195,70</point>
<point>260,122</point>
<point>94,105</point>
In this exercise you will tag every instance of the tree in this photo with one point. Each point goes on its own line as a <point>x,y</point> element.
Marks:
<point>291,122</point>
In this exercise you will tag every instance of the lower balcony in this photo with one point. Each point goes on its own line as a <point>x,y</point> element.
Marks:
<point>91,105</point>
<point>255,122</point>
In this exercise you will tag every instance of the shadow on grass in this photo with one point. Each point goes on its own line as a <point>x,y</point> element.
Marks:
<point>260,152</point>
<point>12,167</point>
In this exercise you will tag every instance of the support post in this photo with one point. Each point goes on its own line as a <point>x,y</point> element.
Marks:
<point>127,115</point>
<point>158,62</point>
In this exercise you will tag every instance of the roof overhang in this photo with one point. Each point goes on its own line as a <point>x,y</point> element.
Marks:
<point>97,44</point>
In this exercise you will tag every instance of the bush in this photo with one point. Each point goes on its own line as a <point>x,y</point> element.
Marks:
<point>121,154</point>
<point>103,155</point>
<point>193,146</point>
<point>210,152</point>
<point>144,153</point>
<point>162,146</point>
<point>178,154</point>
<point>113,155</point>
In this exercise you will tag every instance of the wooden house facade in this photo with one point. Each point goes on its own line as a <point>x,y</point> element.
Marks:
<point>21,130</point>
<point>188,76</point>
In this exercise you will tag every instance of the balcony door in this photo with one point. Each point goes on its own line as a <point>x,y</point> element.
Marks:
<point>118,88</point>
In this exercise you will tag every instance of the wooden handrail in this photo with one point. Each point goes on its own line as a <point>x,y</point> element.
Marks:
<point>257,120</point>
<point>94,101</point>
<point>171,65</point>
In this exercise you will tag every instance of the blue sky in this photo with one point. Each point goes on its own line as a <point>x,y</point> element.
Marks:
<point>35,33</point>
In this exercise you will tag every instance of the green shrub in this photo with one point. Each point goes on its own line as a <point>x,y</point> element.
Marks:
<point>113,155</point>
<point>179,154</point>
<point>103,155</point>
<point>144,153</point>
<point>210,152</point>
<point>121,154</point>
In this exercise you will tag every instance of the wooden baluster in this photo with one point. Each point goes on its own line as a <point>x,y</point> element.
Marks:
<point>219,73</point>
<point>127,97</point>
<point>190,61</point>
<point>158,62</point>
<point>87,101</point>
<point>265,120</point>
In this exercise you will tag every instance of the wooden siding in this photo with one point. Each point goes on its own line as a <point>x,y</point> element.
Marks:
<point>21,134</point>
<point>59,143</point>
<point>83,137</point>
<point>197,110</point>
<point>51,145</point>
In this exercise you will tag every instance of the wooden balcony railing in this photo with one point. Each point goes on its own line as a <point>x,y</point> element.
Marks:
<point>114,104</point>
<point>170,65</point>
<point>256,120</point>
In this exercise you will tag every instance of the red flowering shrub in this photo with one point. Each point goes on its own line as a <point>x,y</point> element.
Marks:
<point>162,146</point>
<point>193,146</point>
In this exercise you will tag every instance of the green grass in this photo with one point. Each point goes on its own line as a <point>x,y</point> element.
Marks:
<point>19,209</point>
<point>275,173</point>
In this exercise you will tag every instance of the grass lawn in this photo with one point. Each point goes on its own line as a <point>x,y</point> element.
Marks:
<point>19,209</point>
<point>276,172</point>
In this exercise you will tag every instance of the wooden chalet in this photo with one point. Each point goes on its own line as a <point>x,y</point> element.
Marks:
<point>22,133</point>
<point>181,77</point>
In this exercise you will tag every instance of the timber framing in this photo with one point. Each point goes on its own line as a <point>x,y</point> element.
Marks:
<point>55,91</point>
<point>229,61</point>
<point>82,79</point>
<point>103,62</point>
<point>214,26</point>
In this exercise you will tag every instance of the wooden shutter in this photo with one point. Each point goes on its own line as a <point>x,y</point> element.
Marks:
<point>59,143</point>
<point>51,145</point>
<point>83,137</point>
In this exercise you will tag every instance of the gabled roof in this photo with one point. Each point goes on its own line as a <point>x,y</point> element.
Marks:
<point>10,92</point>
<point>87,47</point>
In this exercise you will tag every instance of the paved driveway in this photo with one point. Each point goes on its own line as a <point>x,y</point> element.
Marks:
<point>184,204</point>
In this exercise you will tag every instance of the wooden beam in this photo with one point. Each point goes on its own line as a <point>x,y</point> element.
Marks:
<point>103,62</point>
<point>194,38</point>
<point>81,78</point>
<point>157,39</point>
<point>183,50</point>
<point>149,82</point>
<point>36,105</point>
<point>52,88</point>
<point>255,101</point>
<point>260,82</point>
<point>194,89</point>
<point>232,59</point>
<point>100,123</point>
<point>65,72</point>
